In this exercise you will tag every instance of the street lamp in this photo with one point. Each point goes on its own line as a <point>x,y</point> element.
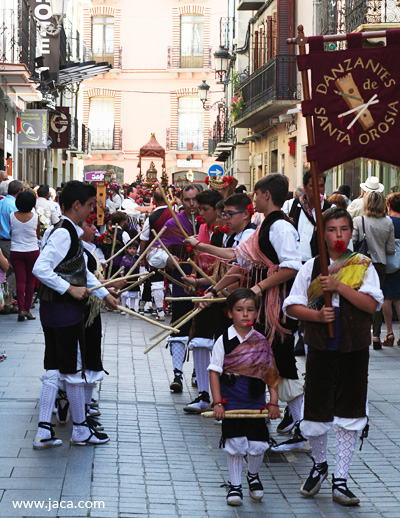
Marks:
<point>203,92</point>
<point>221,60</point>
<point>58,8</point>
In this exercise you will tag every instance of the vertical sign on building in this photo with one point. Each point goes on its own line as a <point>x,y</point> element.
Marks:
<point>43,13</point>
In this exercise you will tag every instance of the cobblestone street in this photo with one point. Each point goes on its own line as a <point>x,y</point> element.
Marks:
<point>161,462</point>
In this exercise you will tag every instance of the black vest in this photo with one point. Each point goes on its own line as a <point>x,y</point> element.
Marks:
<point>72,268</point>
<point>231,239</point>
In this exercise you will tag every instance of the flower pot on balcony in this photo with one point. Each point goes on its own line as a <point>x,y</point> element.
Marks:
<point>189,146</point>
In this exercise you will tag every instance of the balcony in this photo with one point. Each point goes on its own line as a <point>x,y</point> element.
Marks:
<point>190,58</point>
<point>106,56</point>
<point>219,144</point>
<point>106,139</point>
<point>269,91</point>
<point>249,5</point>
<point>185,140</point>
<point>370,12</point>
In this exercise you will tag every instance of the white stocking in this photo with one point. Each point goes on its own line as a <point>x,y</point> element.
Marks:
<point>345,446</point>
<point>124,299</point>
<point>318,447</point>
<point>47,400</point>
<point>178,351</point>
<point>201,360</point>
<point>76,398</point>
<point>255,462</point>
<point>235,466</point>
<point>88,393</point>
<point>295,406</point>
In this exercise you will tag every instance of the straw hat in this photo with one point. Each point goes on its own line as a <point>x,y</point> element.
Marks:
<point>372,185</point>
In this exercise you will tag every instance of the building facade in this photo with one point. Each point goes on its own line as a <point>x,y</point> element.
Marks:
<point>159,57</point>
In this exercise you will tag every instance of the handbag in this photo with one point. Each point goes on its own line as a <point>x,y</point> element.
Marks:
<point>393,261</point>
<point>362,246</point>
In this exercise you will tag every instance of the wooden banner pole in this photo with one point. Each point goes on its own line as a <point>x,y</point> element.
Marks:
<point>301,41</point>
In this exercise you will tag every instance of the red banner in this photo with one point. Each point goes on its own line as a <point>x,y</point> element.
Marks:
<point>355,101</point>
<point>59,128</point>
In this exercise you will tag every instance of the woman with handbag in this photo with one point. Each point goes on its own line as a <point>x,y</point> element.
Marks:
<point>391,286</point>
<point>378,231</point>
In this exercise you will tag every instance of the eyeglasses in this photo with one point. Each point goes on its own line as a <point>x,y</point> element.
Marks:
<point>228,215</point>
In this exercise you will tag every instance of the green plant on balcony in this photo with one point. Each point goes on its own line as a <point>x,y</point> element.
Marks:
<point>237,106</point>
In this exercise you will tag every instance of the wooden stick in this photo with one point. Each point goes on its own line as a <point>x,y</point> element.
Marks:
<point>176,264</point>
<point>124,247</point>
<point>339,37</point>
<point>173,324</point>
<point>193,314</point>
<point>212,281</point>
<point>169,277</point>
<point>113,248</point>
<point>194,299</point>
<point>145,251</point>
<point>314,176</point>
<point>238,416</point>
<point>168,204</point>
<point>111,281</point>
<point>137,282</point>
<point>130,312</point>
<point>116,273</point>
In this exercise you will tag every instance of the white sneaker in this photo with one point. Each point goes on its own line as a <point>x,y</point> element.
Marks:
<point>198,405</point>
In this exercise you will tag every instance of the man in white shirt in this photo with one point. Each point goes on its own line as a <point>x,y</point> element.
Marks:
<point>302,212</point>
<point>130,205</point>
<point>43,202</point>
<point>62,270</point>
<point>371,184</point>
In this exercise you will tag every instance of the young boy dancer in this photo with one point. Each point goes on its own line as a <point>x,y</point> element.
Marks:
<point>242,363</point>
<point>271,253</point>
<point>336,368</point>
<point>61,268</point>
<point>130,296</point>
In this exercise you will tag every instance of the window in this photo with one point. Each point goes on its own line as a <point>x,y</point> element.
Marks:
<point>103,38</point>
<point>101,122</point>
<point>191,41</point>
<point>190,124</point>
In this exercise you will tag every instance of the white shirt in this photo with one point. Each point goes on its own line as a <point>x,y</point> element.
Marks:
<point>49,208</point>
<point>23,235</point>
<point>305,229</point>
<point>146,227</point>
<point>114,204</point>
<point>130,205</point>
<point>298,293</point>
<point>285,240</point>
<point>241,236</point>
<point>218,352</point>
<point>53,252</point>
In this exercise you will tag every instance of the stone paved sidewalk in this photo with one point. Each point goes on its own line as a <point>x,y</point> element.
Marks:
<point>161,462</point>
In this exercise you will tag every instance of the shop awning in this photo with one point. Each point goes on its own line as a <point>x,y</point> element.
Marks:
<point>77,72</point>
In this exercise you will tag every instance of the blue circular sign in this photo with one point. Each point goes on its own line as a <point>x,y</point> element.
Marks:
<point>216,170</point>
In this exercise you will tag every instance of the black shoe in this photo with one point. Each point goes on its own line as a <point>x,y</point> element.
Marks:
<point>377,345</point>
<point>194,379</point>
<point>235,495</point>
<point>312,485</point>
<point>62,405</point>
<point>198,405</point>
<point>93,423</point>
<point>297,443</point>
<point>342,494</point>
<point>177,384</point>
<point>256,489</point>
<point>287,423</point>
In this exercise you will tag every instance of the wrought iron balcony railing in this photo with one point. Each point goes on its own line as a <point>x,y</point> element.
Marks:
<point>185,140</point>
<point>106,139</point>
<point>276,80</point>
<point>106,55</point>
<point>220,130</point>
<point>181,57</point>
<point>359,12</point>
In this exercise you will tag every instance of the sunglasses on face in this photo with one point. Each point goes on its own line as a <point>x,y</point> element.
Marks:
<point>228,215</point>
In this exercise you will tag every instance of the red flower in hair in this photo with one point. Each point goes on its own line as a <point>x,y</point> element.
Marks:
<point>207,180</point>
<point>250,209</point>
<point>224,185</point>
<point>228,179</point>
<point>200,220</point>
<point>225,229</point>
<point>340,246</point>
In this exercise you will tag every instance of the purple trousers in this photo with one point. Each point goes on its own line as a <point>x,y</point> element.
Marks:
<point>22,263</point>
